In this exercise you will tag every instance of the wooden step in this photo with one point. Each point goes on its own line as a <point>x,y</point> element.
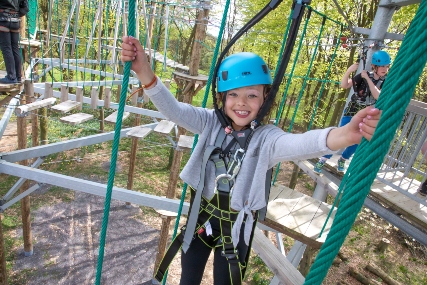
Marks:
<point>66,106</point>
<point>76,119</point>
<point>164,127</point>
<point>139,132</point>
<point>112,119</point>
<point>298,215</point>
<point>34,106</point>
<point>185,142</point>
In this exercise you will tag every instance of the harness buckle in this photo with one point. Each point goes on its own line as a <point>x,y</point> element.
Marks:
<point>221,176</point>
<point>232,254</point>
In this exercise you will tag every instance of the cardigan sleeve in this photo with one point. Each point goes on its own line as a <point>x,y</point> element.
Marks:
<point>185,115</point>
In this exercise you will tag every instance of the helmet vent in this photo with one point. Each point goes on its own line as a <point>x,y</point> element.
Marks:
<point>224,75</point>
<point>265,69</point>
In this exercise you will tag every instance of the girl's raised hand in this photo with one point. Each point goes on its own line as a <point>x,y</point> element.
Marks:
<point>134,52</point>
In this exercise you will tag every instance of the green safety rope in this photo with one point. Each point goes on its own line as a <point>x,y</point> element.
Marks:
<point>205,99</point>
<point>32,18</point>
<point>324,82</point>
<point>114,151</point>
<point>395,96</point>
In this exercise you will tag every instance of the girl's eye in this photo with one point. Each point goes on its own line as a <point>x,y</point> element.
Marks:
<point>253,96</point>
<point>232,94</point>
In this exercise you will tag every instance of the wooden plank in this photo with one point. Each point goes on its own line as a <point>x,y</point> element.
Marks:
<point>94,98</point>
<point>275,260</point>
<point>411,209</point>
<point>275,190</point>
<point>66,106</point>
<point>299,216</point>
<point>164,127</point>
<point>48,90</point>
<point>64,93</point>
<point>35,105</point>
<point>112,119</point>
<point>318,221</point>
<point>199,78</point>
<point>79,97</point>
<point>107,97</point>
<point>76,119</point>
<point>31,43</point>
<point>139,132</point>
<point>185,142</point>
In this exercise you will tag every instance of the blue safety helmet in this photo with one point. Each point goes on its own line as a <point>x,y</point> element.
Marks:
<point>241,70</point>
<point>381,58</point>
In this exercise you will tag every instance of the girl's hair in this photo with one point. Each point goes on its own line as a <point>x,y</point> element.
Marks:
<point>220,100</point>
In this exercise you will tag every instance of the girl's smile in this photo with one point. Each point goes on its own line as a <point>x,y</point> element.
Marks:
<point>242,105</point>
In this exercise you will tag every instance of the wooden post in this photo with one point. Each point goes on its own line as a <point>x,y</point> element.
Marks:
<point>3,272</point>
<point>107,97</point>
<point>48,90</point>
<point>43,115</point>
<point>101,110</point>
<point>166,220</point>
<point>134,147</point>
<point>25,202</point>
<point>94,98</point>
<point>29,90</point>
<point>64,93</point>
<point>134,98</point>
<point>79,97</point>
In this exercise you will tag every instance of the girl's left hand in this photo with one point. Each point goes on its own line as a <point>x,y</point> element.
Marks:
<point>365,122</point>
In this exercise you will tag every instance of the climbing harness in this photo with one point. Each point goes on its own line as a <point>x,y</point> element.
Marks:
<point>362,96</point>
<point>12,19</point>
<point>227,165</point>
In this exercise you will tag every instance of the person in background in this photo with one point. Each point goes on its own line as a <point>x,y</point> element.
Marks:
<point>10,24</point>
<point>422,190</point>
<point>367,89</point>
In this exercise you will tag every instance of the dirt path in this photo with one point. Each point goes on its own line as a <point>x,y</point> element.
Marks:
<point>66,240</point>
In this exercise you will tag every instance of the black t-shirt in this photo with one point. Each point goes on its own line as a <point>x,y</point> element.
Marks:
<point>10,4</point>
<point>362,95</point>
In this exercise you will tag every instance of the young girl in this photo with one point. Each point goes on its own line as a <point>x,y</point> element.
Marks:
<point>227,170</point>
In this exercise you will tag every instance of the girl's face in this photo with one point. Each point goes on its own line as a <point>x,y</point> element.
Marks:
<point>242,105</point>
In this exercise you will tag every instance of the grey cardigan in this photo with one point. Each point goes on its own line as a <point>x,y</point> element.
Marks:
<point>269,146</point>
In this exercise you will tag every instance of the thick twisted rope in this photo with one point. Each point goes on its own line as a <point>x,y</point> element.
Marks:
<point>115,148</point>
<point>395,96</point>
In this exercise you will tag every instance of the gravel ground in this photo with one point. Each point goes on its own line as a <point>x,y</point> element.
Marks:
<point>66,244</point>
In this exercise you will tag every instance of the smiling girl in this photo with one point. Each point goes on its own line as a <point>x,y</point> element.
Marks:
<point>229,166</point>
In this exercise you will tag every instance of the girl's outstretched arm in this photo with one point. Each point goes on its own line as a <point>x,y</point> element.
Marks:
<point>133,51</point>
<point>363,124</point>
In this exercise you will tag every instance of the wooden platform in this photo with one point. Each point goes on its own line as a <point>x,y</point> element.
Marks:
<point>66,106</point>
<point>412,210</point>
<point>199,79</point>
<point>298,216</point>
<point>185,142</point>
<point>112,119</point>
<point>164,127</point>
<point>139,132</point>
<point>76,119</point>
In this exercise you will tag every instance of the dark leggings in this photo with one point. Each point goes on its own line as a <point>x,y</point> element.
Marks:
<point>9,45</point>
<point>194,261</point>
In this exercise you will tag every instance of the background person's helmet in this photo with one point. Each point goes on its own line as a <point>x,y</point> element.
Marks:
<point>241,70</point>
<point>381,58</point>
